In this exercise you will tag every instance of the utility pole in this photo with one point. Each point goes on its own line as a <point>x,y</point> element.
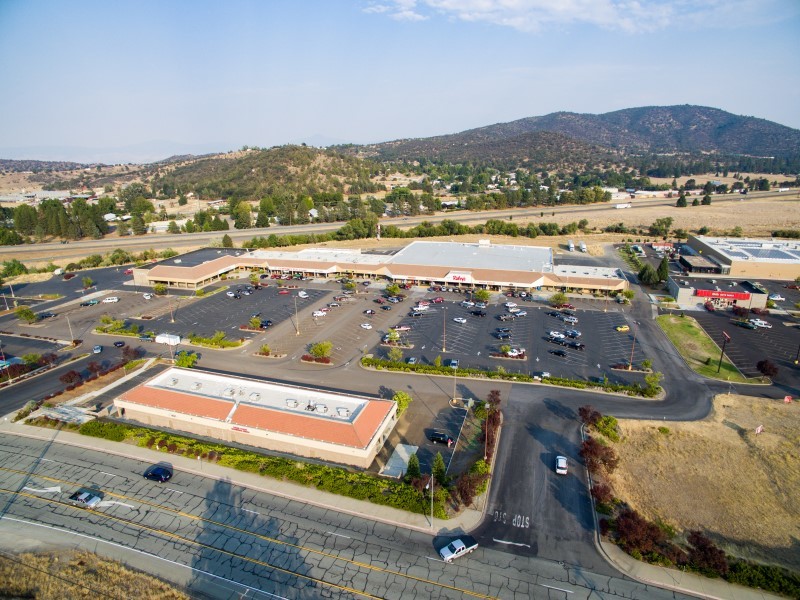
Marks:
<point>296,322</point>
<point>630,364</point>
<point>725,339</point>
<point>71,336</point>
<point>444,329</point>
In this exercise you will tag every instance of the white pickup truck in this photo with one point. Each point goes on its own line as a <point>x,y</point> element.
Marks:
<point>86,498</point>
<point>458,547</point>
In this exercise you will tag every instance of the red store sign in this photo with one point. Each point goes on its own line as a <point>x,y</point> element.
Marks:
<point>727,295</point>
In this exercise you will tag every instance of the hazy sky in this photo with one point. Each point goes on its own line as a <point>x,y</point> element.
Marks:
<point>121,80</point>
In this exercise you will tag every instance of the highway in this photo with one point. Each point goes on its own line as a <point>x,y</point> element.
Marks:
<point>181,242</point>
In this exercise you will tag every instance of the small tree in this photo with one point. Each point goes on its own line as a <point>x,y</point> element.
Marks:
<point>767,368</point>
<point>187,360</point>
<point>602,493</point>
<point>402,399</point>
<point>321,349</point>
<point>70,377</point>
<point>87,282</point>
<point>392,289</point>
<point>130,353</point>
<point>94,367</point>
<point>705,556</point>
<point>439,469</point>
<point>412,470</point>
<point>589,415</point>
<point>636,533</point>
<point>681,203</point>
<point>24,313</point>
<point>481,295</point>
<point>393,336</point>
<point>647,275</point>
<point>505,349</point>
<point>160,289</point>
<point>437,362</point>
<point>597,456</point>
<point>663,269</point>
<point>395,354</point>
<point>558,298</point>
<point>227,242</point>
<point>706,200</point>
<point>264,349</point>
<point>32,359</point>
<point>254,323</point>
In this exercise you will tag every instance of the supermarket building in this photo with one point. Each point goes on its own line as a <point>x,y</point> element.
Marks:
<point>466,265</point>
<point>743,257</point>
<point>311,423</point>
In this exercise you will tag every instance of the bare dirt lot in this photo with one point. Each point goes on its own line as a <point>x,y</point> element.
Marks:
<point>719,476</point>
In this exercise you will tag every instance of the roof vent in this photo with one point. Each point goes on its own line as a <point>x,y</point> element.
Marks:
<point>228,392</point>
<point>173,382</point>
<point>343,412</point>
<point>291,403</point>
<point>321,408</point>
<point>255,397</point>
<point>196,385</point>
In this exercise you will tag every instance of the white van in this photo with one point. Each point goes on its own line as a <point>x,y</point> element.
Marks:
<point>318,313</point>
<point>110,299</point>
<point>302,294</point>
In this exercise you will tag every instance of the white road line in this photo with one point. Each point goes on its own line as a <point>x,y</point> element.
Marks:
<point>109,474</point>
<point>46,460</point>
<point>435,559</point>
<point>171,490</point>
<point>555,588</point>
<point>129,549</point>
<point>510,543</point>
<point>338,535</point>
<point>251,511</point>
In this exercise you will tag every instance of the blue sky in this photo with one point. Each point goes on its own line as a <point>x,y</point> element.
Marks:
<point>131,81</point>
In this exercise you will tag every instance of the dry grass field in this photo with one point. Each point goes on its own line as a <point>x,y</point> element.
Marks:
<point>69,574</point>
<point>719,476</point>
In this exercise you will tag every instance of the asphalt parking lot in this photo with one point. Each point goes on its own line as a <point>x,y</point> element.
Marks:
<point>473,342</point>
<point>780,344</point>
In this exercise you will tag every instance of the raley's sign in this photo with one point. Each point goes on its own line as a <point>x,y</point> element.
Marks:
<point>459,277</point>
<point>728,295</point>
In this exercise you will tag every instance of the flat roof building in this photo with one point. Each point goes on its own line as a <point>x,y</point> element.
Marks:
<point>750,257</point>
<point>472,265</point>
<point>295,420</point>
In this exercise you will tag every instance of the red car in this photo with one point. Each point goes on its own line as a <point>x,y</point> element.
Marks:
<point>566,305</point>
<point>438,300</point>
<point>128,272</point>
<point>709,306</point>
<point>379,300</point>
<point>283,291</point>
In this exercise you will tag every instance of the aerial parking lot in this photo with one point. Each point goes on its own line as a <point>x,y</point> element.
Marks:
<point>452,331</point>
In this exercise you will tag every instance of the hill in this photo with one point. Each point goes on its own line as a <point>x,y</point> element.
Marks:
<point>646,130</point>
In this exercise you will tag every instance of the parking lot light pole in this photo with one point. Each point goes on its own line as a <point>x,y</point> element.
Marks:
<point>630,364</point>
<point>444,329</point>
<point>296,322</point>
<point>455,370</point>
<point>797,356</point>
<point>725,339</point>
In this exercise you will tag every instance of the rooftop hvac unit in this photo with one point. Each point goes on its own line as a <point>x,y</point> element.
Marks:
<point>173,382</point>
<point>196,385</point>
<point>228,392</point>
<point>291,403</point>
<point>255,397</point>
<point>321,408</point>
<point>343,412</point>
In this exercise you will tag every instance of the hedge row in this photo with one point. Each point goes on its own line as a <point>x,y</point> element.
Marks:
<point>634,389</point>
<point>337,480</point>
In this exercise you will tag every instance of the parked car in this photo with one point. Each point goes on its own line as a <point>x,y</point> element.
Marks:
<point>90,302</point>
<point>561,465</point>
<point>386,307</point>
<point>467,303</point>
<point>745,324</point>
<point>709,306</point>
<point>147,296</point>
<point>560,353</point>
<point>480,305</point>
<point>570,320</point>
<point>565,305</point>
<point>576,345</point>
<point>761,323</point>
<point>510,305</point>
<point>459,320</point>
<point>411,360</point>
<point>541,374</point>
<point>776,298</point>
<point>283,292</point>
<point>158,473</point>
<point>265,323</point>
<point>318,313</point>
<point>440,437</point>
<point>110,299</point>
<point>146,338</point>
<point>453,363</point>
<point>417,314</point>
<point>573,333</point>
<point>438,300</point>
<point>623,328</point>
<point>302,294</point>
<point>47,315</point>
<point>556,334</point>
<point>333,305</point>
<point>97,350</point>
<point>507,317</point>
<point>401,327</point>
<point>478,313</point>
<point>119,344</point>
<point>366,326</point>
<point>553,313</point>
<point>369,311</point>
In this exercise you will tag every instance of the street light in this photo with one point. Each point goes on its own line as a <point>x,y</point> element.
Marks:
<point>431,483</point>
<point>725,339</point>
<point>444,329</point>
<point>630,364</point>
<point>455,370</point>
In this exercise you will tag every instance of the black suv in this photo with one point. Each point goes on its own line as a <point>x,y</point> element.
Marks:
<point>479,313</point>
<point>440,437</point>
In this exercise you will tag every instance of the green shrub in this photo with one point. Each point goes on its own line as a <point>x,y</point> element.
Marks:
<point>663,430</point>
<point>607,425</point>
<point>768,578</point>
<point>116,432</point>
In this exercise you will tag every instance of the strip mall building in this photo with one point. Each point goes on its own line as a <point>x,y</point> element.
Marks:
<point>306,422</point>
<point>467,265</point>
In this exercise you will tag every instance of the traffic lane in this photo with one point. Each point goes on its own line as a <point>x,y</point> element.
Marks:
<point>390,562</point>
<point>36,388</point>
<point>532,510</point>
<point>12,346</point>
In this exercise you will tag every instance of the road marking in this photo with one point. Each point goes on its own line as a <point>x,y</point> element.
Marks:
<point>338,535</point>
<point>46,460</point>
<point>251,511</point>
<point>171,490</point>
<point>109,474</point>
<point>113,502</point>
<point>511,543</point>
<point>435,559</point>
<point>550,587</point>
<point>49,490</point>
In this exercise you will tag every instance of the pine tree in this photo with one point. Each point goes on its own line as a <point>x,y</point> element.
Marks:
<point>413,471</point>
<point>439,470</point>
<point>681,203</point>
<point>663,269</point>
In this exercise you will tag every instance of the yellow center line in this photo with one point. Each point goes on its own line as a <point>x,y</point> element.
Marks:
<point>202,545</point>
<point>265,538</point>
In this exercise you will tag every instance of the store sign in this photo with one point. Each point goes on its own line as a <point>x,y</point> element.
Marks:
<point>726,295</point>
<point>242,429</point>
<point>459,277</point>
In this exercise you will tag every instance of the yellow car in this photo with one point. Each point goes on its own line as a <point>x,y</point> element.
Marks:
<point>622,328</point>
